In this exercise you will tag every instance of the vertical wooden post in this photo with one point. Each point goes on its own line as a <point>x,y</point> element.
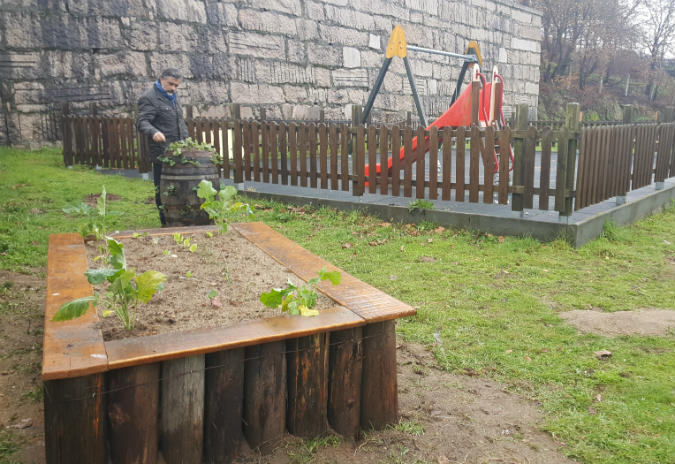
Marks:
<point>357,110</point>
<point>517,197</point>
<point>379,395</point>
<point>567,160</point>
<point>307,361</point>
<point>182,418</point>
<point>265,395</point>
<point>74,419</point>
<point>344,381</point>
<point>223,405</point>
<point>132,413</point>
<point>628,114</point>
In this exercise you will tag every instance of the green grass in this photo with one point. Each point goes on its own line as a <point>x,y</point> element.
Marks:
<point>35,187</point>
<point>487,304</point>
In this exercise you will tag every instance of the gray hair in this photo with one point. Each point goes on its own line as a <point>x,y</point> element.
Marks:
<point>170,72</point>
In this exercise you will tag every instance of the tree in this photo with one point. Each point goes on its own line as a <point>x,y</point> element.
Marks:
<point>658,30</point>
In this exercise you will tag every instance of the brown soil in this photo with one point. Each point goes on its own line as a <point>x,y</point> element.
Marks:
<point>643,322</point>
<point>465,419</point>
<point>235,269</point>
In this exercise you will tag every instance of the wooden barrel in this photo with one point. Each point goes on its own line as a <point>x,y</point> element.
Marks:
<point>178,187</point>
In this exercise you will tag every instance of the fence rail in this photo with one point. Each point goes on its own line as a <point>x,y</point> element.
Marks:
<point>463,164</point>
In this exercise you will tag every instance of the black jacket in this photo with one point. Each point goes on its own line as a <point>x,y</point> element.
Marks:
<point>156,113</point>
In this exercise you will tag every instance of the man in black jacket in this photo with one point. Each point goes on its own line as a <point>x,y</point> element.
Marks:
<point>160,119</point>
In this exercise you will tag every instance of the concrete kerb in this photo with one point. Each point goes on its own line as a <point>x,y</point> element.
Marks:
<point>577,229</point>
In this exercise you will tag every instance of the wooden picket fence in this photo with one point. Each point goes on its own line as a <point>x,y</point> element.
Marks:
<point>463,164</point>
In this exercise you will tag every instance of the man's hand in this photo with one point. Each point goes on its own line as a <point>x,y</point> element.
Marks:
<point>159,137</point>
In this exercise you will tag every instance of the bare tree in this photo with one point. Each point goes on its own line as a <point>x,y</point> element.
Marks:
<point>658,36</point>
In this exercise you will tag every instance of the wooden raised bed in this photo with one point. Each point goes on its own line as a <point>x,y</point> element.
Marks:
<point>195,395</point>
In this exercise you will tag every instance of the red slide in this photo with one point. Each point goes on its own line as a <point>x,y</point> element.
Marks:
<point>458,115</point>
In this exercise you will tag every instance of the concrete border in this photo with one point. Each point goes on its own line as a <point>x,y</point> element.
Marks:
<point>584,225</point>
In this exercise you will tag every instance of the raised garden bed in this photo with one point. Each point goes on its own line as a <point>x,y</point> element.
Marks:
<point>193,396</point>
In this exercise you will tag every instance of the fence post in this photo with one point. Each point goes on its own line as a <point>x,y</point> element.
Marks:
<point>567,155</point>
<point>357,190</point>
<point>628,114</point>
<point>521,123</point>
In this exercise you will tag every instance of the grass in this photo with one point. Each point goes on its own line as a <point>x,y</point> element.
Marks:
<point>488,305</point>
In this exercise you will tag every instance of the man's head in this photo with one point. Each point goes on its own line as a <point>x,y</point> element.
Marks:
<point>170,80</point>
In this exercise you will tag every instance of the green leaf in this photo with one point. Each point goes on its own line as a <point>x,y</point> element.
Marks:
<point>148,283</point>
<point>305,311</point>
<point>82,208</point>
<point>193,248</point>
<point>97,276</point>
<point>308,297</point>
<point>227,193</point>
<point>108,313</point>
<point>101,202</point>
<point>272,299</point>
<point>205,190</point>
<point>177,237</point>
<point>116,250</point>
<point>335,277</point>
<point>122,287</point>
<point>73,309</point>
<point>212,294</point>
<point>188,274</point>
<point>186,242</point>
<point>292,308</point>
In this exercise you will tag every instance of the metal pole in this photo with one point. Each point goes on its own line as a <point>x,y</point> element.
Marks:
<point>375,91</point>
<point>416,98</point>
<point>470,58</point>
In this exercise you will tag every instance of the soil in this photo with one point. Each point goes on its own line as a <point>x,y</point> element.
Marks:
<point>465,419</point>
<point>643,322</point>
<point>228,264</point>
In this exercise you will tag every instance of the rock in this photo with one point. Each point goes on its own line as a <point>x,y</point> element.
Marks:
<point>603,354</point>
<point>22,424</point>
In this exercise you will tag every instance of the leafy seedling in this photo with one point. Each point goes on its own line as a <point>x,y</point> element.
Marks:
<point>188,274</point>
<point>95,227</point>
<point>126,291</point>
<point>299,300</point>
<point>218,204</point>
<point>420,205</point>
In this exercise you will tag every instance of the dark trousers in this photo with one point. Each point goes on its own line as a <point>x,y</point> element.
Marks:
<point>156,176</point>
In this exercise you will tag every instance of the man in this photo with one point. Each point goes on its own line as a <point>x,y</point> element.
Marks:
<point>160,119</point>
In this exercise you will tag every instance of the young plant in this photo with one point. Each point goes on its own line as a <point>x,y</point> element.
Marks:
<point>95,227</point>
<point>125,292</point>
<point>174,153</point>
<point>420,205</point>
<point>299,300</point>
<point>184,241</point>
<point>218,204</point>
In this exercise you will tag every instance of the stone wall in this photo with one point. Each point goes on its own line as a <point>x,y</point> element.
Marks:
<point>290,57</point>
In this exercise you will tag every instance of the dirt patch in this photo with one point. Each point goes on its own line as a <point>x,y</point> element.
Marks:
<point>230,266</point>
<point>642,322</point>
<point>21,322</point>
<point>92,198</point>
<point>445,418</point>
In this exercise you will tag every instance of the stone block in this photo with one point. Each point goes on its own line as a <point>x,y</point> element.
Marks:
<point>350,78</point>
<point>384,25</point>
<point>205,92</point>
<point>317,96</point>
<point>20,65</point>
<point>416,17</point>
<point>209,39</point>
<point>532,88</point>
<point>325,55</point>
<point>343,35</point>
<point>420,67</point>
<point>121,64</point>
<point>529,32</point>
<point>256,45</point>
<point>307,29</point>
<point>28,93</point>
<point>142,35</point>
<point>256,93</point>
<point>525,45</point>
<point>265,21</point>
<point>374,42</point>
<point>314,10</point>
<point>221,14</point>
<point>212,66</point>
<point>371,59</point>
<point>393,82</point>
<point>351,57</point>
<point>322,77</point>
<point>278,72</point>
<point>425,6</point>
<point>295,94</point>
<point>350,18</point>
<point>161,61</point>
<point>193,11</point>
<point>176,37</point>
<point>291,7</point>
<point>243,69</point>
<point>521,16</point>
<point>296,51</point>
